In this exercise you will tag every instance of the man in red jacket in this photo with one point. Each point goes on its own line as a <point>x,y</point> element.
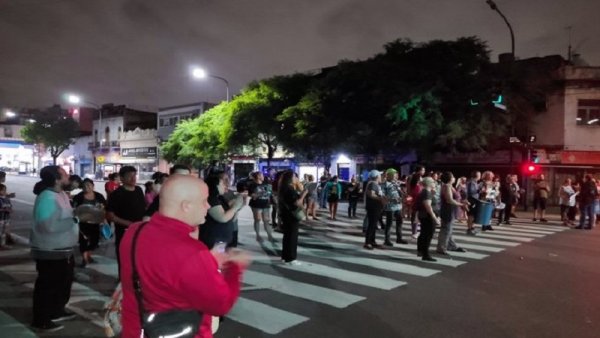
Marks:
<point>178,272</point>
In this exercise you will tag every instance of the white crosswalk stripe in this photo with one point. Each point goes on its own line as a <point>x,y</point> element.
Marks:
<point>335,272</point>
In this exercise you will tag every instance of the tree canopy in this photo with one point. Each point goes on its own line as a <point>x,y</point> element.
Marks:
<point>432,96</point>
<point>54,129</point>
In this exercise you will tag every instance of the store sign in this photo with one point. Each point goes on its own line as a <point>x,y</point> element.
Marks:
<point>138,153</point>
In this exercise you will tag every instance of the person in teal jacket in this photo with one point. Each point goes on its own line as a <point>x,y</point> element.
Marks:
<point>53,235</point>
<point>333,188</point>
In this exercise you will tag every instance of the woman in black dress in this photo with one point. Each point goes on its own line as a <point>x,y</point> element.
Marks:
<point>290,204</point>
<point>89,208</point>
<point>219,225</point>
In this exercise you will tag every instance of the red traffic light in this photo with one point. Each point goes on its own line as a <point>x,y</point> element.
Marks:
<point>531,168</point>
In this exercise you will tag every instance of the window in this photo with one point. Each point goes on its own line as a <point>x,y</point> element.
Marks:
<point>8,132</point>
<point>161,122</point>
<point>106,139</point>
<point>119,131</point>
<point>173,121</point>
<point>588,113</point>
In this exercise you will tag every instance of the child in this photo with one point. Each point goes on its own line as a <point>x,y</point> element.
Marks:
<point>5,210</point>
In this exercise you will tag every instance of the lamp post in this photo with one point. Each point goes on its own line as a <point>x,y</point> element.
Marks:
<point>199,73</point>
<point>494,7</point>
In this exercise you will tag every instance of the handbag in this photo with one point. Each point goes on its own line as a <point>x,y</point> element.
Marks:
<point>106,231</point>
<point>170,323</point>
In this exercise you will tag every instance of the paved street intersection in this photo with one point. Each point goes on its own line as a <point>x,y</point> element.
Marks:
<point>337,279</point>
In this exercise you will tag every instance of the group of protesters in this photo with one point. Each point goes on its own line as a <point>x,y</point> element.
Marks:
<point>68,210</point>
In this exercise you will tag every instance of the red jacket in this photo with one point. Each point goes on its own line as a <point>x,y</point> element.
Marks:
<point>176,272</point>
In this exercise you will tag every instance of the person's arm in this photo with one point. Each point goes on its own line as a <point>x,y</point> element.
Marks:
<point>209,291</point>
<point>301,199</point>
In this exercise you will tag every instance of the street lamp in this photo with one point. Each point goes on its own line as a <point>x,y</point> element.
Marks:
<point>77,100</point>
<point>199,73</point>
<point>494,7</point>
<point>11,114</point>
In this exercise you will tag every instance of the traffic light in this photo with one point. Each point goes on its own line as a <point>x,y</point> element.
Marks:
<point>534,156</point>
<point>531,169</point>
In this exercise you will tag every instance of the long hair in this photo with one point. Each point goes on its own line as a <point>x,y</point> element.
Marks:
<point>286,180</point>
<point>213,180</point>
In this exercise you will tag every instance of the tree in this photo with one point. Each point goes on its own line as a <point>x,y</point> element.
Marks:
<point>53,128</point>
<point>254,112</point>
<point>200,141</point>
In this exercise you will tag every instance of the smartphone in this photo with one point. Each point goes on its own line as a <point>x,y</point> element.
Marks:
<point>220,247</point>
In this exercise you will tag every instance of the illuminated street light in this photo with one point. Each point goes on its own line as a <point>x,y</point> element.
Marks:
<point>73,99</point>
<point>10,114</point>
<point>31,121</point>
<point>199,73</point>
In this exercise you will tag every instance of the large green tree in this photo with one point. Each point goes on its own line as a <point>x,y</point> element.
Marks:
<point>255,111</point>
<point>54,129</point>
<point>200,141</point>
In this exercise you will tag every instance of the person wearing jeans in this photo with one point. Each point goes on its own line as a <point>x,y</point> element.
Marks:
<point>447,215</point>
<point>588,195</point>
<point>393,209</point>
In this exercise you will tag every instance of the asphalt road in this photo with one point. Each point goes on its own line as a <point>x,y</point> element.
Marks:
<point>524,280</point>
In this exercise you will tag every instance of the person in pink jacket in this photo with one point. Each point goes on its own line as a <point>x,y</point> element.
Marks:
<point>178,272</point>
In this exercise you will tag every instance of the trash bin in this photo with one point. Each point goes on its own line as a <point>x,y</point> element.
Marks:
<point>484,213</point>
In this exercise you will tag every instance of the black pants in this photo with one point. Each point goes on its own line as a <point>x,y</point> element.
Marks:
<point>119,233</point>
<point>274,208</point>
<point>52,288</point>
<point>424,241</point>
<point>289,246</point>
<point>389,217</point>
<point>352,207</point>
<point>372,219</point>
<point>89,236</point>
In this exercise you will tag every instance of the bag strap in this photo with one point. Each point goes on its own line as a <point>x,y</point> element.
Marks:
<point>137,284</point>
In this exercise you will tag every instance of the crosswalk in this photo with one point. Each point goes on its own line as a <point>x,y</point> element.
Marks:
<point>335,273</point>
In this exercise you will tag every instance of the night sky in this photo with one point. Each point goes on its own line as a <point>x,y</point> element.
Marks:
<point>139,51</point>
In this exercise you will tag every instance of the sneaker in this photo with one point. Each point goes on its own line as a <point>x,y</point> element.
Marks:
<point>293,263</point>
<point>64,315</point>
<point>442,252</point>
<point>368,246</point>
<point>47,327</point>
<point>415,236</point>
<point>507,223</point>
<point>543,220</point>
<point>388,243</point>
<point>471,232</point>
<point>459,250</point>
<point>429,259</point>
<point>535,219</point>
<point>401,241</point>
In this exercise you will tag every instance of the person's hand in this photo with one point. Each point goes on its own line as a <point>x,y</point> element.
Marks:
<point>240,257</point>
<point>437,221</point>
<point>12,195</point>
<point>220,257</point>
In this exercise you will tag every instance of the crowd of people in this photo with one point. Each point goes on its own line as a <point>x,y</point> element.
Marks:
<point>198,219</point>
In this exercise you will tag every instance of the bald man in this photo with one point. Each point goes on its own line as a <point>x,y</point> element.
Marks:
<point>177,271</point>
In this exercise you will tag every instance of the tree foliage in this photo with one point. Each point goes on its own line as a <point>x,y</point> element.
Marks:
<point>411,96</point>
<point>53,129</point>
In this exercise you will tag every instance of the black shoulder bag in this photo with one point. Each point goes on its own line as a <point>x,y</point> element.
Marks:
<point>174,323</point>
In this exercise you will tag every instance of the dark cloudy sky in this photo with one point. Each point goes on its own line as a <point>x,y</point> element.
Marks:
<point>139,51</point>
